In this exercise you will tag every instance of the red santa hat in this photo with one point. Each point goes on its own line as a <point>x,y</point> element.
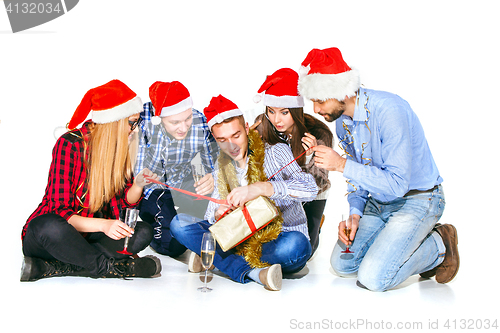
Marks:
<point>325,75</point>
<point>169,98</point>
<point>281,90</point>
<point>108,103</point>
<point>220,109</point>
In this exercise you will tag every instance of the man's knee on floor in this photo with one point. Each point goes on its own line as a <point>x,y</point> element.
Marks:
<point>343,265</point>
<point>341,269</point>
<point>297,247</point>
<point>373,279</point>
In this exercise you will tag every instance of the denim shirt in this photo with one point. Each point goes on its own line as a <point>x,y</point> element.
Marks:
<point>387,153</point>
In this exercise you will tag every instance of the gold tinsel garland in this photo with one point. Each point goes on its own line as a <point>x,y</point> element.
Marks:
<point>251,249</point>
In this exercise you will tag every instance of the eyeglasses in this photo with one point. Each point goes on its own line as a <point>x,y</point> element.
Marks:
<point>133,124</point>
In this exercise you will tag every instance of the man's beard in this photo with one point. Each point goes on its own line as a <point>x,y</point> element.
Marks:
<point>331,117</point>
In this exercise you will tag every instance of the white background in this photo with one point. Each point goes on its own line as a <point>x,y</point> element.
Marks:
<point>441,56</point>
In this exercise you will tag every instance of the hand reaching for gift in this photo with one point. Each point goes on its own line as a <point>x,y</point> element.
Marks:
<point>223,209</point>
<point>241,195</point>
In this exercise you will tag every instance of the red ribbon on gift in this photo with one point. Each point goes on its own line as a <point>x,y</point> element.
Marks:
<point>249,220</point>
<point>247,216</point>
<point>290,163</point>
<point>245,212</point>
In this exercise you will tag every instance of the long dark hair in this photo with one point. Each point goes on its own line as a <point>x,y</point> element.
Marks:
<point>302,123</point>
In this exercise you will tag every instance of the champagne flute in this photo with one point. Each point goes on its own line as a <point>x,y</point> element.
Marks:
<point>207,256</point>
<point>347,231</point>
<point>198,171</point>
<point>131,220</point>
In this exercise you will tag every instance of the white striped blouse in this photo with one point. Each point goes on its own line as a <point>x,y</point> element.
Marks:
<point>291,187</point>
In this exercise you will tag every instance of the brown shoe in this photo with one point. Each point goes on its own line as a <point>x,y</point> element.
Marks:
<point>449,267</point>
<point>429,274</point>
<point>432,272</point>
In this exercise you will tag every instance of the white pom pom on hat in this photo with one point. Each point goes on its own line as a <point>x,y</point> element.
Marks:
<point>156,120</point>
<point>58,131</point>
<point>257,98</point>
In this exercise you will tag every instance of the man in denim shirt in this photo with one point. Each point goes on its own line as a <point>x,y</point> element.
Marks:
<point>394,187</point>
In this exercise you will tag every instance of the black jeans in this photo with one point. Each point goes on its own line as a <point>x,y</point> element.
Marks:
<point>314,211</point>
<point>160,208</point>
<point>50,236</point>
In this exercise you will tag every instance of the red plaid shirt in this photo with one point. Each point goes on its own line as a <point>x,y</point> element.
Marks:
<point>66,191</point>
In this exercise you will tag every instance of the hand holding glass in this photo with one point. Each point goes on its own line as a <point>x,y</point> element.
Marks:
<point>131,220</point>
<point>207,256</point>
<point>198,171</point>
<point>347,231</point>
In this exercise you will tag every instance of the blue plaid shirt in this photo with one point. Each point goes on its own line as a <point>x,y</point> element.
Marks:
<point>171,158</point>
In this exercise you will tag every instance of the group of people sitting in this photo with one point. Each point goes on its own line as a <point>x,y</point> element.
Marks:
<point>134,155</point>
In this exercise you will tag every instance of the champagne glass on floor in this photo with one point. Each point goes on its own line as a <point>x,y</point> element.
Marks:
<point>207,256</point>
<point>131,220</point>
<point>347,231</point>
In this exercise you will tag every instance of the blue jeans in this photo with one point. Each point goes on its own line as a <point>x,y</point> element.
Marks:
<point>291,249</point>
<point>394,241</point>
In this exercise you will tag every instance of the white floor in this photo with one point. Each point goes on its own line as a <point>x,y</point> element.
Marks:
<point>385,40</point>
<point>314,297</point>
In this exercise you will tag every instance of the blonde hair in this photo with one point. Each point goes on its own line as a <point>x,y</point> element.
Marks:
<point>108,162</point>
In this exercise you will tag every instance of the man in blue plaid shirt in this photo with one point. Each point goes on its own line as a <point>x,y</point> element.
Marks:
<point>172,133</point>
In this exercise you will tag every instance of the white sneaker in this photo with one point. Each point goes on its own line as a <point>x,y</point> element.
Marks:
<point>271,277</point>
<point>194,264</point>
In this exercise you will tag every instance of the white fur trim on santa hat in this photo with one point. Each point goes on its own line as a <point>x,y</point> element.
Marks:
<point>329,86</point>
<point>223,116</point>
<point>118,112</point>
<point>283,101</point>
<point>177,108</point>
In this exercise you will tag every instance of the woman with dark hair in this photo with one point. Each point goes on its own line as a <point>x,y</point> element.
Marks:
<point>76,228</point>
<point>284,121</point>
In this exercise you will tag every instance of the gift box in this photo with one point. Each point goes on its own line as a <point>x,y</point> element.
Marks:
<point>240,224</point>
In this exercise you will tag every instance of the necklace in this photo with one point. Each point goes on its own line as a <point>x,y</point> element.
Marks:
<point>348,138</point>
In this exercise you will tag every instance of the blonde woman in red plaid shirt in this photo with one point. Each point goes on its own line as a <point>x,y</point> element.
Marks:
<point>76,229</point>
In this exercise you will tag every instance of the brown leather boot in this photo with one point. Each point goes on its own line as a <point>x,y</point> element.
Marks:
<point>449,267</point>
